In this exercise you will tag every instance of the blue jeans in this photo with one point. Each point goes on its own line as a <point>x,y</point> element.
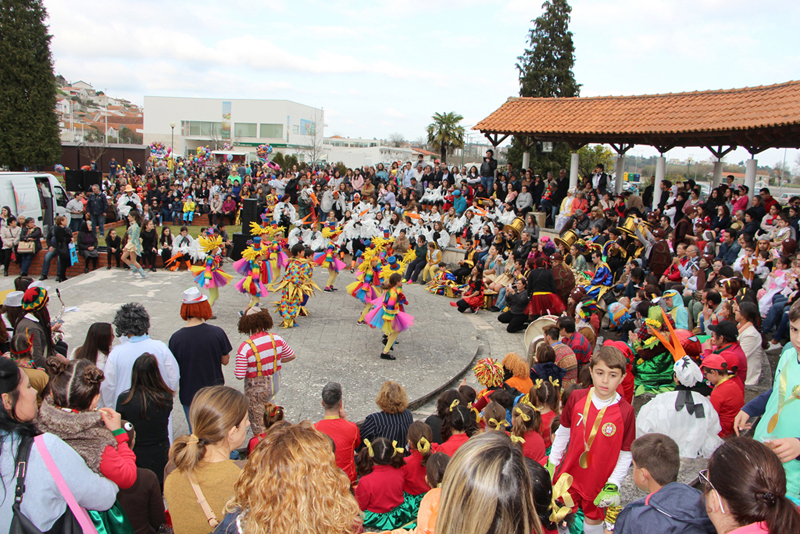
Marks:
<point>501,299</point>
<point>25,262</point>
<point>783,329</point>
<point>166,215</point>
<point>773,317</point>
<point>46,263</point>
<point>186,412</point>
<point>488,183</point>
<point>99,222</point>
<point>75,224</point>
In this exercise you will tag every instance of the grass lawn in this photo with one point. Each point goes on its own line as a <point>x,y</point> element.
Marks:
<point>194,231</point>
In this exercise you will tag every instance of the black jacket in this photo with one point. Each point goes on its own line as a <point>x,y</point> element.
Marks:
<point>34,234</point>
<point>517,302</point>
<point>488,168</point>
<point>63,239</point>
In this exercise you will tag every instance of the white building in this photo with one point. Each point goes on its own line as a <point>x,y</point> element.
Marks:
<point>289,127</point>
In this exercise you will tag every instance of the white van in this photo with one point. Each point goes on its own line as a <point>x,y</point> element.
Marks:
<point>31,194</point>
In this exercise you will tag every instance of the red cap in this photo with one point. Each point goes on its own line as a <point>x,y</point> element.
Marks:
<point>716,362</point>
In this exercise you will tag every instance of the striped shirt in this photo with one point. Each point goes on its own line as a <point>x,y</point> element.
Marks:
<point>393,427</point>
<point>246,360</point>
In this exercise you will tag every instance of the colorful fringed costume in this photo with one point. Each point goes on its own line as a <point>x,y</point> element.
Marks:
<point>329,260</point>
<point>296,286</point>
<point>210,275</point>
<point>367,283</point>
<point>601,282</point>
<point>388,315</point>
<point>252,266</point>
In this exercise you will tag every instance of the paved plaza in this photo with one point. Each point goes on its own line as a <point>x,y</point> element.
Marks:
<point>329,345</point>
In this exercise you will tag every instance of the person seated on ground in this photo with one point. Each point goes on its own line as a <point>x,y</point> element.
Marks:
<point>724,336</point>
<point>517,300</point>
<point>273,414</point>
<point>393,420</point>
<point>669,506</point>
<point>574,340</point>
<point>684,415</point>
<point>746,490</point>
<point>726,397</point>
<point>565,358</point>
<point>472,295</point>
<point>516,373</point>
<point>345,435</point>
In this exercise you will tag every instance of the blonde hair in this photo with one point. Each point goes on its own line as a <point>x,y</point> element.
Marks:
<point>392,398</point>
<point>314,494</point>
<point>487,490</point>
<point>215,411</point>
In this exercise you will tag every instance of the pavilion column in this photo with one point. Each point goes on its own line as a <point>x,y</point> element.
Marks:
<point>750,177</point>
<point>574,162</point>
<point>620,171</point>
<point>526,162</point>
<point>661,172</point>
<point>717,174</point>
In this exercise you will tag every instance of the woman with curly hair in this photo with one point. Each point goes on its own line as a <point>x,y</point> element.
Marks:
<point>516,373</point>
<point>314,494</point>
<point>393,420</point>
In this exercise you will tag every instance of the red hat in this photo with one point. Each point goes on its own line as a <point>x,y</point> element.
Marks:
<point>716,362</point>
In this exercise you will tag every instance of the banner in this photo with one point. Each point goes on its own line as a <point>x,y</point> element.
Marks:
<point>226,120</point>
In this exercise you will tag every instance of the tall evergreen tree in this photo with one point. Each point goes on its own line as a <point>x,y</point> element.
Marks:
<point>29,133</point>
<point>545,70</point>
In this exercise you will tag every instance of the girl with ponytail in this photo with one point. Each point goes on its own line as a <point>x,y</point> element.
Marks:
<point>746,490</point>
<point>218,415</point>
<point>494,415</point>
<point>458,426</point>
<point>380,490</point>
<point>420,443</point>
<point>526,423</point>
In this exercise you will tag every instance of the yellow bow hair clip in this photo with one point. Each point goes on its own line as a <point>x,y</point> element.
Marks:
<point>497,424</point>
<point>397,449</point>
<point>561,491</point>
<point>369,448</point>
<point>423,445</point>
<point>525,417</point>
<point>555,382</point>
<point>517,439</point>
<point>538,383</point>
<point>454,404</point>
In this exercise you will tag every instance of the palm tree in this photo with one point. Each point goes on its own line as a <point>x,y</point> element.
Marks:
<point>445,133</point>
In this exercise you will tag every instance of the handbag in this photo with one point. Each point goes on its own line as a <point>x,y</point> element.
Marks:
<point>75,519</point>
<point>201,500</point>
<point>26,247</point>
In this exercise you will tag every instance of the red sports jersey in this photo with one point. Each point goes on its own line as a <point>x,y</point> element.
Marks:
<point>616,433</point>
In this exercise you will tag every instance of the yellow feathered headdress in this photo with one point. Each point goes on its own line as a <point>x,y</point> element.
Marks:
<point>209,244</point>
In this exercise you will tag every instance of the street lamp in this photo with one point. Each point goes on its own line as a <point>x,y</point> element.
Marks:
<point>172,144</point>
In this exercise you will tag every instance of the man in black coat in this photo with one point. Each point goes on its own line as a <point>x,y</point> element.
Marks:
<point>600,179</point>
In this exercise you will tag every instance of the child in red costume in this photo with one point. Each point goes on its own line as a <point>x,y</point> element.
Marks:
<point>600,426</point>
<point>726,397</point>
<point>526,423</point>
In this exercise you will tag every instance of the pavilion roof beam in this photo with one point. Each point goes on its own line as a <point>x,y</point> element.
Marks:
<point>719,152</point>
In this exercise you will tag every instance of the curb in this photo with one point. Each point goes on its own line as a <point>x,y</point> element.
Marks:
<point>421,401</point>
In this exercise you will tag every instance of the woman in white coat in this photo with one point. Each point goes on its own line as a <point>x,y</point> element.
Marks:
<point>748,319</point>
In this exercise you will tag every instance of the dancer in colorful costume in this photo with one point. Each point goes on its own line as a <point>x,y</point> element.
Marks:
<point>388,315</point>
<point>254,268</point>
<point>297,286</point>
<point>329,260</point>
<point>365,288</point>
<point>210,275</point>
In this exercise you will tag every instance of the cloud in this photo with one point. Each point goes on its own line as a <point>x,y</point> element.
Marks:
<point>391,112</point>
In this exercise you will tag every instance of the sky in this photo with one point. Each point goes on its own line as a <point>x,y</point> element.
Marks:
<point>382,67</point>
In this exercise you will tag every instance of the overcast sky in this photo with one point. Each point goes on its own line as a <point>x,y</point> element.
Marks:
<point>381,67</point>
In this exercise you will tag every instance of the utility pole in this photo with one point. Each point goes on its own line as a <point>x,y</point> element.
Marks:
<point>105,99</point>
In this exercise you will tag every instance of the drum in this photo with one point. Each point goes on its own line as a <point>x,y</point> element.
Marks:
<point>534,334</point>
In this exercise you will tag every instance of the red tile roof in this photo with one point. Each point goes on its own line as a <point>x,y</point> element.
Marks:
<point>662,116</point>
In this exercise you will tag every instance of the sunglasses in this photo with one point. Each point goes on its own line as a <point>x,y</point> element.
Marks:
<point>704,476</point>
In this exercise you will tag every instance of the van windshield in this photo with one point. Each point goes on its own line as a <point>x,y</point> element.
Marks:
<point>61,197</point>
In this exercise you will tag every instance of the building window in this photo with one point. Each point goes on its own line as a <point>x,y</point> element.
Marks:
<point>201,129</point>
<point>295,129</point>
<point>271,131</point>
<point>245,129</point>
<point>301,157</point>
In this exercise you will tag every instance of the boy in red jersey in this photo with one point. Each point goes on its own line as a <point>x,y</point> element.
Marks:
<point>593,443</point>
<point>345,435</point>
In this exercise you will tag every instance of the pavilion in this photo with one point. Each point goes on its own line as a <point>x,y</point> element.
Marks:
<point>755,118</point>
